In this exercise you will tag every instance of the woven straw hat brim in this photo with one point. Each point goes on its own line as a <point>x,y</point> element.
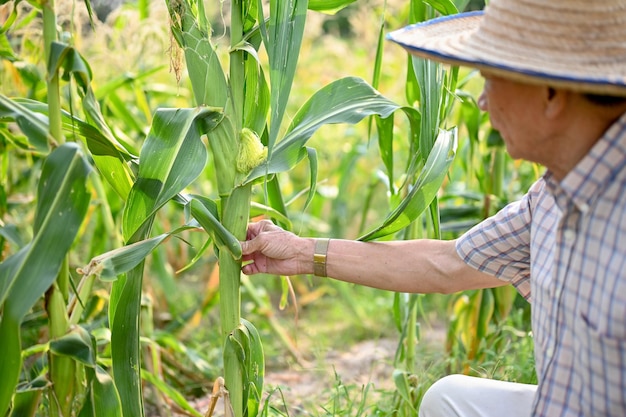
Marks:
<point>516,50</point>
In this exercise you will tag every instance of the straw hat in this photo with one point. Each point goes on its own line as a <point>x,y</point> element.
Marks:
<point>575,44</point>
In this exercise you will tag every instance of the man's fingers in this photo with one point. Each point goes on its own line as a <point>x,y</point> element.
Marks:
<point>247,247</point>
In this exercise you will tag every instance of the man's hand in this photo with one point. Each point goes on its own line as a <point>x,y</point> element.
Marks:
<point>272,250</point>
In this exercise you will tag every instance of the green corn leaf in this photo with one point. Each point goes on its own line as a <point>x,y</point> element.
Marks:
<point>282,39</point>
<point>34,125</point>
<point>170,341</point>
<point>430,77</point>
<point>26,400</point>
<point>401,381</point>
<point>380,47</point>
<point>109,155</point>
<point>124,313</point>
<point>329,6</point>
<point>385,145</point>
<point>126,79</point>
<point>424,189</point>
<point>203,65</point>
<point>170,392</point>
<point>224,239</point>
<point>257,97</point>
<point>445,7</point>
<point>255,368</point>
<point>62,201</point>
<point>244,346</point>
<point>258,209</point>
<point>11,233</point>
<point>312,155</point>
<point>103,399</point>
<point>77,344</point>
<point>234,358</point>
<point>101,143</point>
<point>347,100</point>
<point>487,308</point>
<point>67,60</point>
<point>171,158</point>
<point>108,266</point>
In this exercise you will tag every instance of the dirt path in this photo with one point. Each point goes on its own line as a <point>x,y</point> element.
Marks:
<point>310,386</point>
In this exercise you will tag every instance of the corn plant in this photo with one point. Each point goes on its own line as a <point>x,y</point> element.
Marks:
<point>478,318</point>
<point>246,145</point>
<point>432,150</point>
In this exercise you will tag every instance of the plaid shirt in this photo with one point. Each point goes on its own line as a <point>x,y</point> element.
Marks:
<point>563,246</point>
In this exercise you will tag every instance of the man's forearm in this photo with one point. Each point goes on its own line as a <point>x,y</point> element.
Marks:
<point>416,266</point>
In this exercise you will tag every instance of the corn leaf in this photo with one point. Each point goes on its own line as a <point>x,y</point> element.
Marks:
<point>171,158</point>
<point>257,97</point>
<point>445,7</point>
<point>109,155</point>
<point>203,65</point>
<point>99,143</point>
<point>124,80</point>
<point>329,6</point>
<point>208,219</point>
<point>424,189</point>
<point>243,350</point>
<point>103,399</point>
<point>282,39</point>
<point>403,387</point>
<point>62,201</point>
<point>108,266</point>
<point>255,367</point>
<point>171,393</point>
<point>26,400</point>
<point>77,344</point>
<point>385,145</point>
<point>258,209</point>
<point>32,124</point>
<point>111,167</point>
<point>347,100</point>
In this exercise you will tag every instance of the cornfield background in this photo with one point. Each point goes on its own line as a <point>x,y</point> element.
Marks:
<point>115,212</point>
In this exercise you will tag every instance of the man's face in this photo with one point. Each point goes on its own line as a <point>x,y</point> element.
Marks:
<point>515,110</point>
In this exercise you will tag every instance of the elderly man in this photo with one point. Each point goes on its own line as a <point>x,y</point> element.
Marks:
<point>555,88</point>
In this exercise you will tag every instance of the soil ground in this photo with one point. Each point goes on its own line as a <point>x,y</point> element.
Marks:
<point>308,387</point>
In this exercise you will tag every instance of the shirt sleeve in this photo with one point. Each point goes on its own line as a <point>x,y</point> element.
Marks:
<point>500,245</point>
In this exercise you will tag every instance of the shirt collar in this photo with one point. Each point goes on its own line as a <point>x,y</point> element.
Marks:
<point>583,184</point>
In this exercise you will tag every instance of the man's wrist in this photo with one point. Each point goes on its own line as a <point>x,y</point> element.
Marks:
<point>320,254</point>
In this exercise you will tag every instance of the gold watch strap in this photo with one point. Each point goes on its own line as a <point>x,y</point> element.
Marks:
<point>319,257</point>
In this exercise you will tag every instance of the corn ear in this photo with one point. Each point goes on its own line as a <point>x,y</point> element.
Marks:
<point>251,151</point>
<point>222,238</point>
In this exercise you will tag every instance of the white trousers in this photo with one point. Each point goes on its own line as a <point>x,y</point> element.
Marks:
<point>466,396</point>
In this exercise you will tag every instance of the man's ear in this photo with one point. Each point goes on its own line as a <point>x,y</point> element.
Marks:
<point>555,100</point>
